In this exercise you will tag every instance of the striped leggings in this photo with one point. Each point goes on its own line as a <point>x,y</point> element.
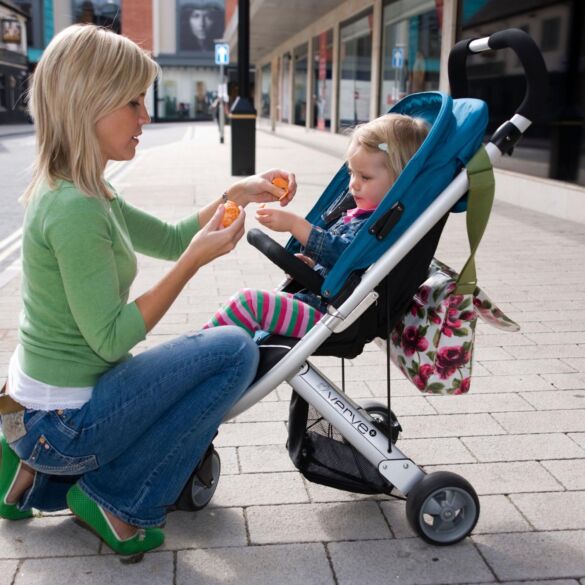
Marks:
<point>275,312</point>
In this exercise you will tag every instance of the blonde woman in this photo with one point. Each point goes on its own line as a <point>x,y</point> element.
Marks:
<point>130,429</point>
<point>377,153</point>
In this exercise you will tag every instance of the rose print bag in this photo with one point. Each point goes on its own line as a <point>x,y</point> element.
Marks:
<point>433,344</point>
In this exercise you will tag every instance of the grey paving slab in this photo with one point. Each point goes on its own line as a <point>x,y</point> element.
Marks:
<point>523,447</point>
<point>7,572</point>
<point>528,366</point>
<point>472,403</point>
<point>260,489</point>
<point>265,412</point>
<point>579,438</point>
<point>556,400</point>
<point>511,383</point>
<point>566,381</point>
<point>553,511</point>
<point>547,351</point>
<point>45,537</point>
<point>154,569</point>
<point>436,451</point>
<point>505,478</point>
<point>264,458</point>
<point>536,555</point>
<point>229,460</point>
<point>256,565</point>
<point>316,522</point>
<point>570,473</point>
<point>543,582</point>
<point>323,493</point>
<point>546,421</point>
<point>497,515</point>
<point>210,527</point>
<point>453,425</point>
<point>407,562</point>
<point>252,433</point>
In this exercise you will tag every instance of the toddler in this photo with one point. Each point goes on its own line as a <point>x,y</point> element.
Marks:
<point>377,153</point>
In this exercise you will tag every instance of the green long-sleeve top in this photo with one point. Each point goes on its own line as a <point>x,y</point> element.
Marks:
<point>78,262</point>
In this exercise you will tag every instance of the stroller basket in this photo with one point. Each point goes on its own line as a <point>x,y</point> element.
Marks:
<point>323,456</point>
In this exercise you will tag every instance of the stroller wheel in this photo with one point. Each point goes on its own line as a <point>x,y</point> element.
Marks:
<point>442,508</point>
<point>202,484</point>
<point>381,413</point>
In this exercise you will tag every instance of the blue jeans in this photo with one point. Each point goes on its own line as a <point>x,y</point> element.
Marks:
<point>134,445</point>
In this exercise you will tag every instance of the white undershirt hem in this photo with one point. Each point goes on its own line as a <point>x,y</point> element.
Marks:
<point>40,396</point>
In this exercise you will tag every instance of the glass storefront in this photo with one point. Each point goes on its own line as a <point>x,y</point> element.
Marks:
<point>355,71</point>
<point>322,79</point>
<point>555,146</point>
<point>265,97</point>
<point>411,49</point>
<point>300,83</point>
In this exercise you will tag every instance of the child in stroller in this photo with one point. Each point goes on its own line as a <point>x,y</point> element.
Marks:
<point>377,153</point>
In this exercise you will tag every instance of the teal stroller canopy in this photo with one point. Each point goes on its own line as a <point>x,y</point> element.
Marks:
<point>457,130</point>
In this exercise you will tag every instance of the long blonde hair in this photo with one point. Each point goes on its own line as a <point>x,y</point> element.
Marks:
<point>402,135</point>
<point>85,73</point>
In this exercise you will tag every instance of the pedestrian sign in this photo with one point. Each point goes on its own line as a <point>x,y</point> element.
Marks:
<point>222,54</point>
<point>397,58</point>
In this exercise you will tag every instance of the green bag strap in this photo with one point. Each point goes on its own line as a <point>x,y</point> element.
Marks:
<point>479,205</point>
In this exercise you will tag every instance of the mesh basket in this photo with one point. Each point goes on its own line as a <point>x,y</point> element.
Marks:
<point>323,456</point>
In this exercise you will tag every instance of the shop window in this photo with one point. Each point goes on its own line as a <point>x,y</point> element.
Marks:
<point>549,147</point>
<point>265,97</point>
<point>322,79</point>
<point>411,50</point>
<point>300,81</point>
<point>551,32</point>
<point>356,71</point>
<point>106,13</point>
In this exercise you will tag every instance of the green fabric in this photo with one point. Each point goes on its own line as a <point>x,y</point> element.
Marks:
<point>78,265</point>
<point>8,471</point>
<point>479,205</point>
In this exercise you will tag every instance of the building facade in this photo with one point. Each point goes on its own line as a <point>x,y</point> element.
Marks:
<point>336,63</point>
<point>13,63</point>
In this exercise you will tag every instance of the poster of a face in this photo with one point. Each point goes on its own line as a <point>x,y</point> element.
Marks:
<point>201,22</point>
<point>11,32</point>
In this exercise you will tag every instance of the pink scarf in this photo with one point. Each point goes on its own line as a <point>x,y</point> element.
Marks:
<point>355,212</point>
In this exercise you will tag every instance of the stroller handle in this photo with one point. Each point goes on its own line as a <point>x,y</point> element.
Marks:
<point>534,104</point>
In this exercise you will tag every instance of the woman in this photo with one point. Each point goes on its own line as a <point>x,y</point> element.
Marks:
<point>131,429</point>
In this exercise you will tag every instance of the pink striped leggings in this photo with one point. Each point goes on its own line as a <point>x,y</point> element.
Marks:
<point>276,312</point>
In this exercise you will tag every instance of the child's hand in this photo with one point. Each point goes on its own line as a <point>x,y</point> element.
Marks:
<point>276,220</point>
<point>308,261</point>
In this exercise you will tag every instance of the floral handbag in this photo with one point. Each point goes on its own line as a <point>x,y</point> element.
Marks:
<point>433,344</point>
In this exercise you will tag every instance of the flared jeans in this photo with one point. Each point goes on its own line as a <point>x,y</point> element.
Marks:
<point>149,421</point>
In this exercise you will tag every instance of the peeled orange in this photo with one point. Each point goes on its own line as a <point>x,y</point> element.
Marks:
<point>232,211</point>
<point>281,184</point>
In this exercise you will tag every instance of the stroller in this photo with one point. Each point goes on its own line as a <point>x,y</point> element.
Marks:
<point>332,439</point>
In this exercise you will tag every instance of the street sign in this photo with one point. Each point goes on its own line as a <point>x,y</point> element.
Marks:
<point>222,54</point>
<point>397,58</point>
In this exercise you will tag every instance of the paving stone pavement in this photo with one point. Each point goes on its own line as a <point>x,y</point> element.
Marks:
<point>518,437</point>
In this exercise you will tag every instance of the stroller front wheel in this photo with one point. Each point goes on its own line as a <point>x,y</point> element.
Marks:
<point>443,508</point>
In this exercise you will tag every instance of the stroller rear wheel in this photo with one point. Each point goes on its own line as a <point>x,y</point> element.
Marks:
<point>442,508</point>
<point>381,414</point>
<point>202,484</point>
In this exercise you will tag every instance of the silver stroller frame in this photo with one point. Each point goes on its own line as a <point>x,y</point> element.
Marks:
<point>349,418</point>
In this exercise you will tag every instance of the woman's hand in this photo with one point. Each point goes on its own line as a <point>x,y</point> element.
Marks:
<point>213,240</point>
<point>259,188</point>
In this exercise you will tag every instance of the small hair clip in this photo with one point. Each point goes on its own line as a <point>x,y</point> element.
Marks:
<point>383,146</point>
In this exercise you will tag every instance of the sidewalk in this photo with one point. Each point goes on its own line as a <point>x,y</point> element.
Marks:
<point>518,437</point>
<point>16,130</point>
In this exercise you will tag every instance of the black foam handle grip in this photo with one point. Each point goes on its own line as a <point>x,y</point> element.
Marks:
<point>533,106</point>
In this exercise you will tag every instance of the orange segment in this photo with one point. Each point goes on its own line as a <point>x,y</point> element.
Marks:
<point>281,184</point>
<point>232,211</point>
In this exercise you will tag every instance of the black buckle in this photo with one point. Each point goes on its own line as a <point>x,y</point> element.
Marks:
<point>384,225</point>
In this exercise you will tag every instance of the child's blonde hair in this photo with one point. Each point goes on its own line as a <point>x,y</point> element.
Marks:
<point>85,73</point>
<point>396,135</point>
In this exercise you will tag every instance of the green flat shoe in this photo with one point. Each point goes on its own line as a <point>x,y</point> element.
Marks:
<point>9,469</point>
<point>94,518</point>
